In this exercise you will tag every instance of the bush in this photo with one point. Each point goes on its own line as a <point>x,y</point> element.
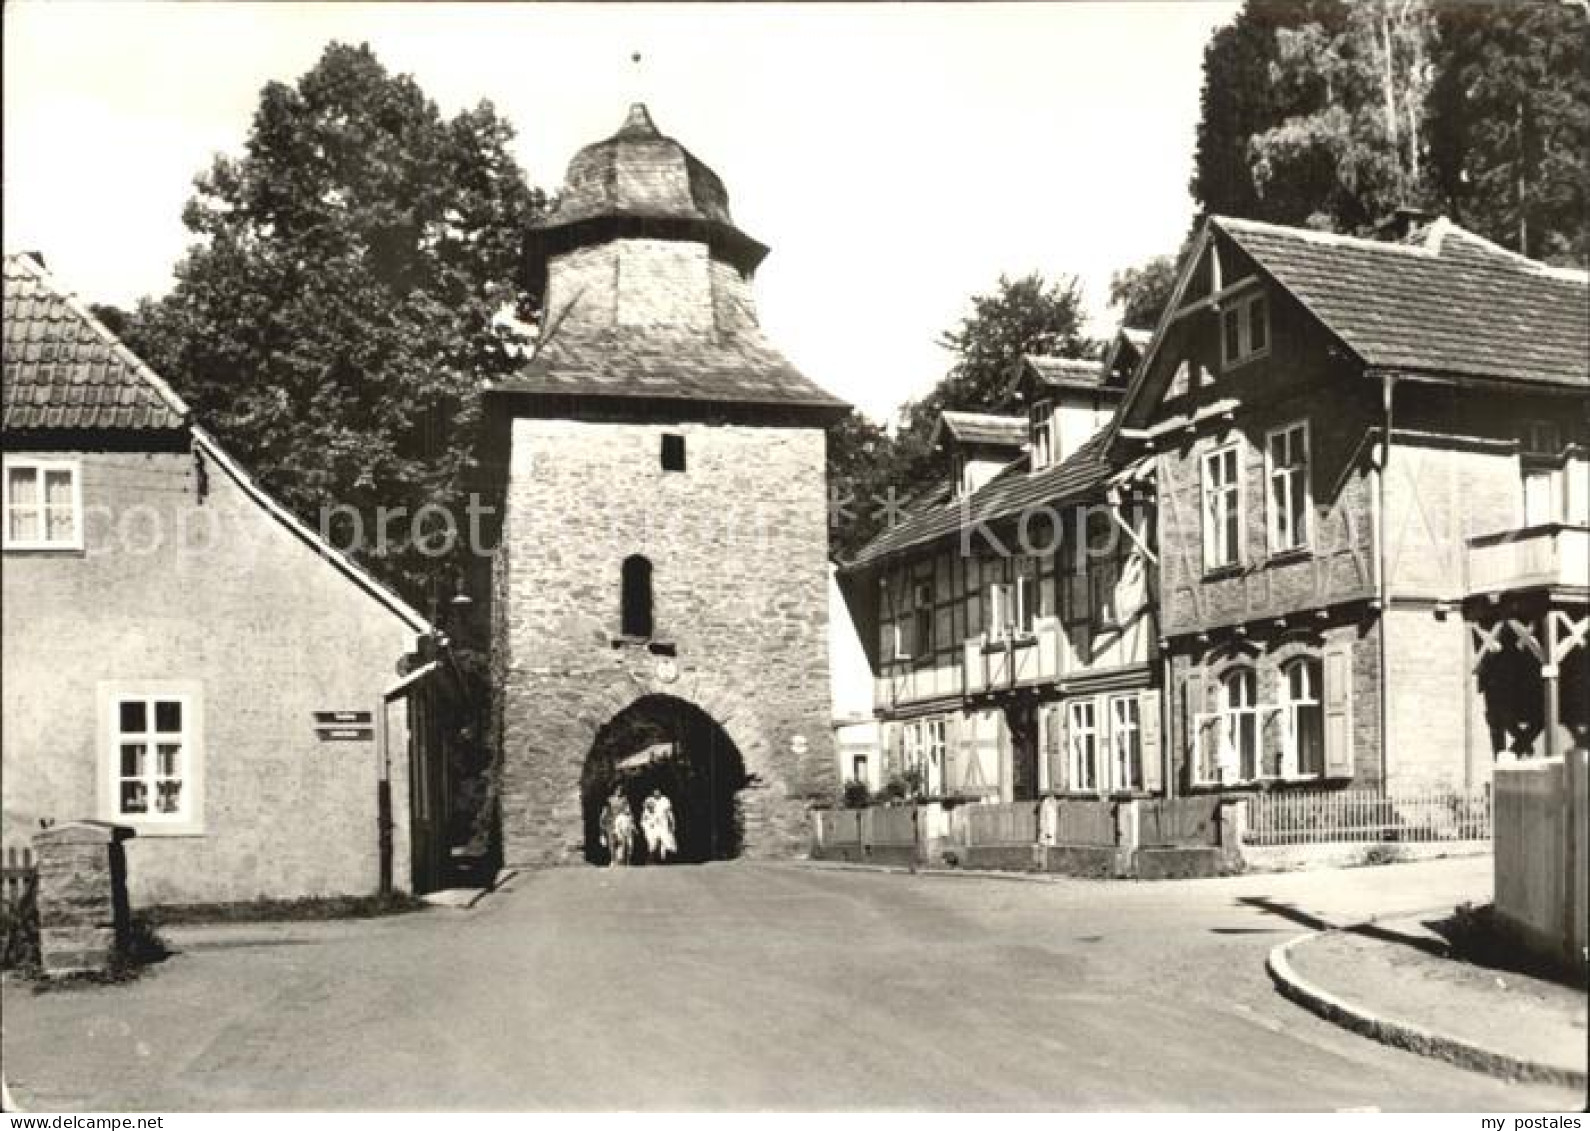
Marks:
<point>1385,854</point>
<point>19,933</point>
<point>856,795</point>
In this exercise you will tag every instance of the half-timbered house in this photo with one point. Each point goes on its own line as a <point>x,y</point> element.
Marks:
<point>1369,458</point>
<point>1009,616</point>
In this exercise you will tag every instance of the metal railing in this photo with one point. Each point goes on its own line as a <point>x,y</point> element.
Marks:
<point>1347,816</point>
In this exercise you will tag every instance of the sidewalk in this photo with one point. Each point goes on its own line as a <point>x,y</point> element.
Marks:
<point>1396,980</point>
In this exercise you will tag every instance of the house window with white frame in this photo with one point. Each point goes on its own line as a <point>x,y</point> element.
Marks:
<point>151,746</point>
<point>1126,742</point>
<point>1041,417</point>
<point>1024,591</point>
<point>1239,730</point>
<point>924,752</point>
<point>43,504</point>
<point>1244,330</point>
<point>1082,746</point>
<point>997,626</point>
<point>1286,468</point>
<point>1303,719</point>
<point>1222,489</point>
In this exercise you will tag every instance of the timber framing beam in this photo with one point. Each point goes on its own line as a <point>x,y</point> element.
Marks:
<point>1216,299</point>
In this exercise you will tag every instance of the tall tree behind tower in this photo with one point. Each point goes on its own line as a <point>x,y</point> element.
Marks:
<point>344,299</point>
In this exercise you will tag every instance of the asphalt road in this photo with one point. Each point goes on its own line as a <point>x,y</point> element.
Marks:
<point>745,986</point>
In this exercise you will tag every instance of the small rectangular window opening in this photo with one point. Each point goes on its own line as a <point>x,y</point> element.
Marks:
<point>673,452</point>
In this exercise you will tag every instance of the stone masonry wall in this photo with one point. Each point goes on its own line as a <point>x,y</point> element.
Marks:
<point>738,548</point>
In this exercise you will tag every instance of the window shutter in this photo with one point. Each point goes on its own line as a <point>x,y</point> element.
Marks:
<point>1192,706</point>
<point>886,642</point>
<point>1148,739</point>
<point>905,637</point>
<point>1061,737</point>
<point>1338,699</point>
<point>951,772</point>
<point>896,751</point>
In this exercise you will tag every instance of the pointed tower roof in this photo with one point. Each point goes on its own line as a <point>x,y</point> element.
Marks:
<point>639,180</point>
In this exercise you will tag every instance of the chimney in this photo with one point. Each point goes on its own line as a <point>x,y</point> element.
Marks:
<point>1404,225</point>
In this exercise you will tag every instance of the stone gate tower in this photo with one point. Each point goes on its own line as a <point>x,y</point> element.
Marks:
<point>659,604</point>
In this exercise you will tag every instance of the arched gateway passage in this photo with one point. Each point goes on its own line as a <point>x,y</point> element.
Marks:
<point>662,742</point>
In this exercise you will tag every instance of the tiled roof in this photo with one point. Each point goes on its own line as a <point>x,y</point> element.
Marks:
<point>1065,372</point>
<point>985,428</point>
<point>1455,303</point>
<point>1008,494</point>
<point>652,361</point>
<point>65,370</point>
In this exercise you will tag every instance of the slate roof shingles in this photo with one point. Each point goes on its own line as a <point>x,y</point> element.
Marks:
<point>1008,494</point>
<point>64,370</point>
<point>1456,304</point>
<point>986,428</point>
<point>734,368</point>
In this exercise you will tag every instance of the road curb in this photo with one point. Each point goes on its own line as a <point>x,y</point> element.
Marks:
<point>902,870</point>
<point>1403,1034</point>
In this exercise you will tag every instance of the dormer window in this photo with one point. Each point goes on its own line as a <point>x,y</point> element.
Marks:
<point>1041,418</point>
<point>1245,330</point>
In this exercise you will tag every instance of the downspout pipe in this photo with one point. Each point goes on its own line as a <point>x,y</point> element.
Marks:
<point>1388,385</point>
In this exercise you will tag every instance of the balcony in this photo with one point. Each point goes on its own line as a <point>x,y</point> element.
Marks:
<point>1549,557</point>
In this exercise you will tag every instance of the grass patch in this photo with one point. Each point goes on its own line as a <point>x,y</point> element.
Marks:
<point>287,910</point>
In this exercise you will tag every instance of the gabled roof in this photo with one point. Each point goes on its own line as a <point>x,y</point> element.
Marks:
<point>981,428</point>
<point>64,370</point>
<point>1454,303</point>
<point>1008,494</point>
<point>1063,372</point>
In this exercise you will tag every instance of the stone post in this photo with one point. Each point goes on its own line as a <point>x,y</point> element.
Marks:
<point>1232,820</point>
<point>1128,832</point>
<point>82,895</point>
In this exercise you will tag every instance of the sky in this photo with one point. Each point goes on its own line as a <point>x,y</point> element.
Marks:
<point>898,158</point>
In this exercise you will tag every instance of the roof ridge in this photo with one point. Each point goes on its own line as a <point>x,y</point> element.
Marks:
<point>1444,227</point>
<point>1315,235</point>
<point>1430,247</point>
<point>47,279</point>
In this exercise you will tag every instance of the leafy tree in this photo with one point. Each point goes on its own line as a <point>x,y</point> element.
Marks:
<point>1355,150</point>
<point>1142,292</point>
<point>1241,99</point>
<point>1020,316</point>
<point>1332,113</point>
<point>872,470</point>
<point>861,458</point>
<point>344,301</point>
<point>1510,124</point>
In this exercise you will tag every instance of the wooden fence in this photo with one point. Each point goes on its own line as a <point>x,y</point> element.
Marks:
<point>18,873</point>
<point>892,826</point>
<point>1542,871</point>
<point>837,827</point>
<point>1362,816</point>
<point>1089,823</point>
<point>1004,825</point>
<point>1182,822</point>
